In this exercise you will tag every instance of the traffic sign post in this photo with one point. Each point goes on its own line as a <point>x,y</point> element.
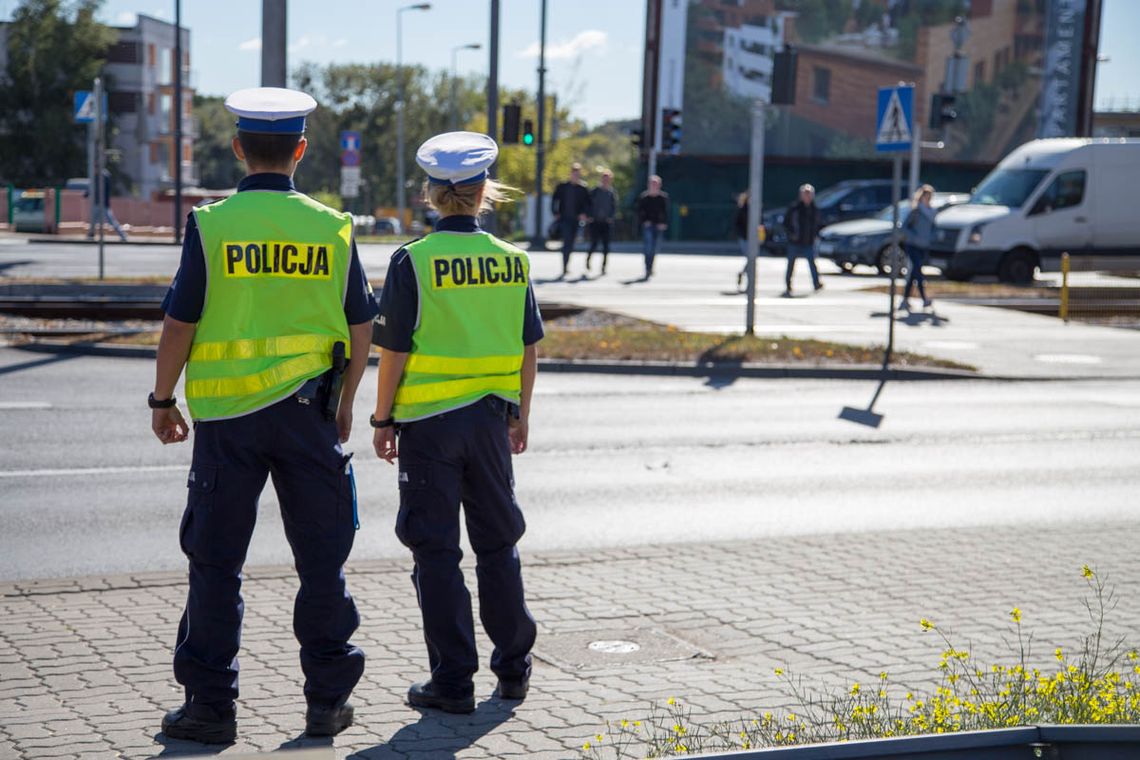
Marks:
<point>894,133</point>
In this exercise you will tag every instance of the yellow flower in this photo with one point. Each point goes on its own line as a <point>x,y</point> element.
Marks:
<point>1059,654</point>
<point>599,738</point>
<point>1015,614</point>
<point>586,746</point>
<point>671,701</point>
<point>855,689</point>
<point>1086,571</point>
<point>624,723</point>
<point>926,624</point>
<point>779,671</point>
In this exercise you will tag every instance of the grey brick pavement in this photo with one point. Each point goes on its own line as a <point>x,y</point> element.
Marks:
<point>84,663</point>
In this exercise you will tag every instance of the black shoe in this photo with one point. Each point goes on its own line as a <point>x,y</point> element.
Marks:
<point>204,725</point>
<point>427,694</point>
<point>327,721</point>
<point>513,689</point>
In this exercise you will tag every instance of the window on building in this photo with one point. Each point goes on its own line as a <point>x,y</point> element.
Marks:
<point>151,55</point>
<point>165,66</point>
<point>123,52</point>
<point>980,73</point>
<point>160,156</point>
<point>187,153</point>
<point>821,84</point>
<point>166,112</point>
<point>150,103</point>
<point>123,102</point>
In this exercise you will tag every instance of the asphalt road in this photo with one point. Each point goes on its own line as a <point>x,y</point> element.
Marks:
<point>85,489</point>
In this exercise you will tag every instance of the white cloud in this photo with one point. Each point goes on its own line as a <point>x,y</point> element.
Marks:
<point>302,42</point>
<point>590,39</point>
<point>127,18</point>
<point>253,43</point>
<point>342,42</point>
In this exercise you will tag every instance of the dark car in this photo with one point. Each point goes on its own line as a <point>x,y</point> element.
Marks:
<point>850,199</point>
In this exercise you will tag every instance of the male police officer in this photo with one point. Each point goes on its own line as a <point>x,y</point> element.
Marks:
<point>269,301</point>
<point>458,326</point>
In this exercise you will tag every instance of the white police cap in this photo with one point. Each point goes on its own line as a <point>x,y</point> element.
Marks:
<point>457,158</point>
<point>271,110</point>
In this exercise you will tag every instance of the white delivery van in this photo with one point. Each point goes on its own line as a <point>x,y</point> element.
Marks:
<point>1046,198</point>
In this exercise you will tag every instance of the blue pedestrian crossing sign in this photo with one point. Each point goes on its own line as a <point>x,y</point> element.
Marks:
<point>84,106</point>
<point>894,126</point>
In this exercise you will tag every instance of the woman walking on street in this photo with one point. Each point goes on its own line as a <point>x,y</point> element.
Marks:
<point>917,232</point>
<point>740,227</point>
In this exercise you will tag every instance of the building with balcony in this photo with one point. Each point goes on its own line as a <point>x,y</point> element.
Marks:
<point>140,86</point>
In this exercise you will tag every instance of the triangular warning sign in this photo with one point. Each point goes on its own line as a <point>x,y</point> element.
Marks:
<point>893,128</point>
<point>86,110</point>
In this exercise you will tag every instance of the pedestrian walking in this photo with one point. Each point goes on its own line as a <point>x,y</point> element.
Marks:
<point>570,204</point>
<point>603,208</point>
<point>653,218</point>
<point>802,224</point>
<point>270,314</point>
<point>740,227</point>
<point>457,330</point>
<point>917,232</point>
<point>103,212</point>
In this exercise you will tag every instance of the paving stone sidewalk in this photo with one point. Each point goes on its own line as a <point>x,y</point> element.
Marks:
<point>85,663</point>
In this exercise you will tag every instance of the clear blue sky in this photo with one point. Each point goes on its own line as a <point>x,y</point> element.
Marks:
<point>594,46</point>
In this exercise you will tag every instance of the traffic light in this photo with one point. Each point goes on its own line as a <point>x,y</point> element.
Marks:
<point>671,130</point>
<point>942,110</point>
<point>784,78</point>
<point>511,114</point>
<point>637,137</point>
<point>528,132</point>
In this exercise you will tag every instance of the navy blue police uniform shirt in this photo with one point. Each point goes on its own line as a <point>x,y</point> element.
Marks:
<point>187,293</point>
<point>399,300</point>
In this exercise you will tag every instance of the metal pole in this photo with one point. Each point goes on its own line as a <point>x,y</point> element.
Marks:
<point>454,110</point>
<point>755,190</point>
<point>273,67</point>
<point>177,122</point>
<point>100,186</point>
<point>895,257</point>
<point>539,143</point>
<point>915,159</point>
<point>491,221</point>
<point>91,207</point>
<point>400,207</point>
<point>1065,264</point>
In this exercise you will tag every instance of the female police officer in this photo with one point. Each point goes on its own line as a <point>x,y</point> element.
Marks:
<point>268,301</point>
<point>458,326</point>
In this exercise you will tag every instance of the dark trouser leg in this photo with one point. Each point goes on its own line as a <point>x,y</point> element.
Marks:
<point>310,474</point>
<point>593,243</point>
<point>916,274</point>
<point>810,253</point>
<point>792,252</point>
<point>569,232</point>
<point>910,275</point>
<point>226,478</point>
<point>604,233</point>
<point>494,525</point>
<point>428,523</point>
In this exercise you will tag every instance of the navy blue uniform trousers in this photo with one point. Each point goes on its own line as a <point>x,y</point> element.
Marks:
<point>464,456</point>
<point>296,445</point>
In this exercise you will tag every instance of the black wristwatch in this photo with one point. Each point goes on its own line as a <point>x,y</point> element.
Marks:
<point>381,423</point>
<point>155,403</point>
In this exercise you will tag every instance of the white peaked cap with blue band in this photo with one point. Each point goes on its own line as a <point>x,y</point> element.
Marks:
<point>457,158</point>
<point>271,110</point>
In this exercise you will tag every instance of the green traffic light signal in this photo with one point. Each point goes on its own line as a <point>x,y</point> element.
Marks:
<point>528,132</point>
<point>528,139</point>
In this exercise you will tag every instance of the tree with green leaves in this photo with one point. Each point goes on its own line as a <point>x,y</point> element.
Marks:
<point>218,167</point>
<point>54,49</point>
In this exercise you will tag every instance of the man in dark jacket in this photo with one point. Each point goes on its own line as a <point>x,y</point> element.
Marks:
<point>653,217</point>
<point>570,204</point>
<point>802,224</point>
<point>603,207</point>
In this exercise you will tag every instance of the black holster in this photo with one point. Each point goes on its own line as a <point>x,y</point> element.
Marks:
<point>328,391</point>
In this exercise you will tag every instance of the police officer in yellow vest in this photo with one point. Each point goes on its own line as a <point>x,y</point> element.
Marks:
<point>270,313</point>
<point>458,326</point>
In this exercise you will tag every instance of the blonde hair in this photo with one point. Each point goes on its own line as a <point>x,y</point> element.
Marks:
<point>917,197</point>
<point>471,199</point>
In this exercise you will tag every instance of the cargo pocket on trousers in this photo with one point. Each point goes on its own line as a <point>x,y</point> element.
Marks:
<point>200,486</point>
<point>415,482</point>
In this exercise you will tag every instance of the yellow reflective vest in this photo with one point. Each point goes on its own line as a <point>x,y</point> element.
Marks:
<point>276,278</point>
<point>468,341</point>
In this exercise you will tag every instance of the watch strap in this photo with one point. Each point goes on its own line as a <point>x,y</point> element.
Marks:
<point>378,424</point>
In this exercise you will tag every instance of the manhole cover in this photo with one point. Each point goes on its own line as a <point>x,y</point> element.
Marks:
<point>617,646</point>
<point>585,650</point>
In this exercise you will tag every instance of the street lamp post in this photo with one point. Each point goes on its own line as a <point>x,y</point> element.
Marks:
<point>454,74</point>
<point>400,205</point>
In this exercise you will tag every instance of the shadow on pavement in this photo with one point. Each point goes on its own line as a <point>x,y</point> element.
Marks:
<point>643,278</point>
<point>914,318</point>
<point>441,734</point>
<point>184,748</point>
<point>868,416</point>
<point>12,368</point>
<point>10,264</point>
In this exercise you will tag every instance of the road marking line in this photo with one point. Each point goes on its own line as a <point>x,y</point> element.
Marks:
<point>11,405</point>
<point>79,471</point>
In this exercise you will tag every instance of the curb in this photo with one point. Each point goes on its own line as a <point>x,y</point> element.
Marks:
<point>657,369</point>
<point>85,241</point>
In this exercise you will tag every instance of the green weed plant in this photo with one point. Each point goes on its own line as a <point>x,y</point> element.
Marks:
<point>1098,684</point>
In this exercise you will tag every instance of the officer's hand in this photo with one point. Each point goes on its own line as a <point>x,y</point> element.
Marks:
<point>384,441</point>
<point>518,431</point>
<point>344,422</point>
<point>168,425</point>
